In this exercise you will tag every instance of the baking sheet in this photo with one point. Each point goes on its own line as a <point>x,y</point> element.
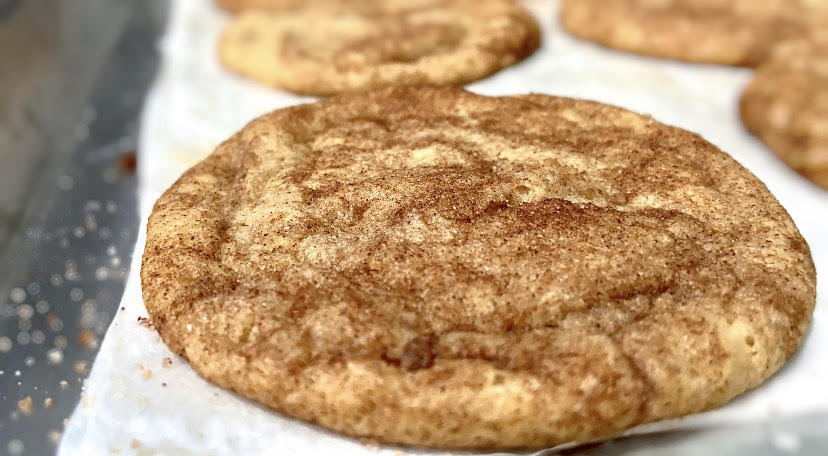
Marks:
<point>136,403</point>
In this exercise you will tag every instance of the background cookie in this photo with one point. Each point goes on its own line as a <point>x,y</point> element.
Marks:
<point>732,32</point>
<point>323,51</point>
<point>786,106</point>
<point>434,267</point>
<point>235,6</point>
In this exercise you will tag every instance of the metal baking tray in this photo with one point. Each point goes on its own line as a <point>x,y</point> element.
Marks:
<point>73,75</point>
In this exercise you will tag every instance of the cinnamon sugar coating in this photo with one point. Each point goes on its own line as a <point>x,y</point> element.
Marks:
<point>429,266</point>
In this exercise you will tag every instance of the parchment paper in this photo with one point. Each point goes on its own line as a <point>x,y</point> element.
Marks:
<point>134,405</point>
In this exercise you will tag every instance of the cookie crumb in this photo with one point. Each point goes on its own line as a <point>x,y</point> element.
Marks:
<point>135,443</point>
<point>87,339</point>
<point>147,374</point>
<point>80,367</point>
<point>48,403</point>
<point>144,321</point>
<point>371,444</point>
<point>53,436</point>
<point>25,405</point>
<point>166,362</point>
<point>128,162</point>
<point>64,385</point>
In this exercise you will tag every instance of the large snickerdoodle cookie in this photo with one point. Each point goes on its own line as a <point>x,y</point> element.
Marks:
<point>434,267</point>
<point>323,50</point>
<point>786,106</point>
<point>732,32</point>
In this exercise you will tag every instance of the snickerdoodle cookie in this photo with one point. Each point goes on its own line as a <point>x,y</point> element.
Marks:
<point>324,50</point>
<point>429,266</point>
<point>786,106</point>
<point>732,32</point>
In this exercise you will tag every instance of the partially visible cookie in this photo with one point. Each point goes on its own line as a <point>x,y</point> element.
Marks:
<point>786,106</point>
<point>731,32</point>
<point>429,266</point>
<point>323,51</point>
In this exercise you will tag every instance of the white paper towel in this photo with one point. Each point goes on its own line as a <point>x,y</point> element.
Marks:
<point>134,405</point>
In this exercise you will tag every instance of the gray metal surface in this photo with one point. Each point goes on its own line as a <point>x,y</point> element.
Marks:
<point>73,75</point>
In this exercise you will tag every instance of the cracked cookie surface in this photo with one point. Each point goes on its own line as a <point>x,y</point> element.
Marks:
<point>786,106</point>
<point>321,50</point>
<point>429,266</point>
<point>731,32</point>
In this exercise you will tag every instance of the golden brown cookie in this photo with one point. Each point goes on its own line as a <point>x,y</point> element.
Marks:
<point>732,32</point>
<point>434,267</point>
<point>786,106</point>
<point>323,51</point>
